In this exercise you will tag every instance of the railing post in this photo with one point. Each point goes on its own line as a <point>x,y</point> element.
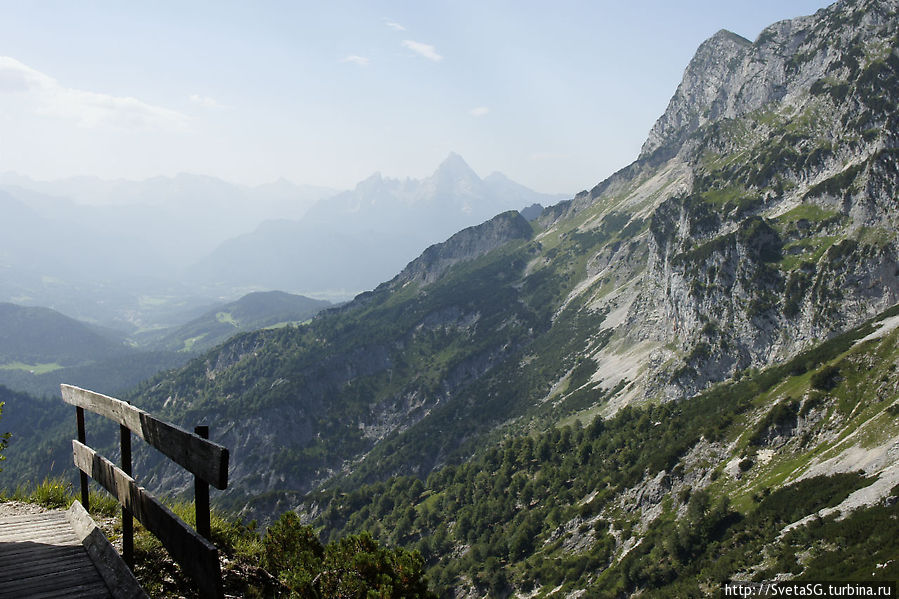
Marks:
<point>127,516</point>
<point>85,491</point>
<point>201,494</point>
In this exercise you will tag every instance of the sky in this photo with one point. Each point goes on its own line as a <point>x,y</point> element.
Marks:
<point>556,95</point>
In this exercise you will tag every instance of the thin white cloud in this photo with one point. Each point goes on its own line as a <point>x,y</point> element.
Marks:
<point>362,61</point>
<point>479,111</point>
<point>426,50</point>
<point>394,25</point>
<point>205,101</point>
<point>85,108</point>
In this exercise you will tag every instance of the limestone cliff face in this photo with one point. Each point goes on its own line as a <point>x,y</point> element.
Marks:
<point>730,77</point>
<point>788,232</point>
<point>701,97</point>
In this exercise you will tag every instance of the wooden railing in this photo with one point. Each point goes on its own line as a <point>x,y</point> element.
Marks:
<point>207,461</point>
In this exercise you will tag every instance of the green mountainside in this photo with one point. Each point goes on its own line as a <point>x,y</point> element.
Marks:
<point>40,337</point>
<point>253,311</point>
<point>41,348</point>
<point>39,444</point>
<point>789,470</point>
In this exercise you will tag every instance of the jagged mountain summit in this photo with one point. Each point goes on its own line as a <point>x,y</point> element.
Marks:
<point>783,228</point>
<point>359,238</point>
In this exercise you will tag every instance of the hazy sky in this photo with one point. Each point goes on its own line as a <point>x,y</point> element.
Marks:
<point>556,95</point>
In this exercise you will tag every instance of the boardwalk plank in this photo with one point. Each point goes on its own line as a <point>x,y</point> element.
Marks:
<point>33,556</point>
<point>82,592</point>
<point>34,568</point>
<point>42,557</point>
<point>68,580</point>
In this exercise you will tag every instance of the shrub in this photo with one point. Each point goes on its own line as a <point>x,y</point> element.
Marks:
<point>293,552</point>
<point>827,378</point>
<point>357,565</point>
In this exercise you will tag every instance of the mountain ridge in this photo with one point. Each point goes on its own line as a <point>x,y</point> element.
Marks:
<point>253,311</point>
<point>364,236</point>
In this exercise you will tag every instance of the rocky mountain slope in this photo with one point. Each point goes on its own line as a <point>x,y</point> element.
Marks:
<point>758,221</point>
<point>788,471</point>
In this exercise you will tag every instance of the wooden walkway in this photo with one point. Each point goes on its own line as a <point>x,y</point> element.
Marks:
<point>45,555</point>
<point>40,556</point>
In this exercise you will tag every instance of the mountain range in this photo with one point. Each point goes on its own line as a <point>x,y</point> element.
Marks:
<point>202,240</point>
<point>686,375</point>
<point>58,241</point>
<point>41,348</point>
<point>359,238</point>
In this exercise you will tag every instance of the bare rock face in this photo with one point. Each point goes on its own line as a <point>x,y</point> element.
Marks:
<point>730,76</point>
<point>791,145</point>
<point>701,96</point>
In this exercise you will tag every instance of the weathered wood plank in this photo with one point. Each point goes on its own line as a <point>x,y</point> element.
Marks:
<point>32,522</point>
<point>37,562</point>
<point>199,456</point>
<point>37,517</point>
<point>47,562</point>
<point>58,539</point>
<point>59,584</point>
<point>35,526</point>
<point>80,592</point>
<point>50,520</point>
<point>197,556</point>
<point>119,579</point>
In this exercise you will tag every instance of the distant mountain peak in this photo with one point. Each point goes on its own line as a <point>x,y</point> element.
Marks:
<point>455,167</point>
<point>372,183</point>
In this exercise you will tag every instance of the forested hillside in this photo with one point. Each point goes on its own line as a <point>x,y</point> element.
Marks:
<point>752,479</point>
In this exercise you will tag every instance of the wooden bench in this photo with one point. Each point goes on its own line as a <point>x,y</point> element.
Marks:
<point>207,461</point>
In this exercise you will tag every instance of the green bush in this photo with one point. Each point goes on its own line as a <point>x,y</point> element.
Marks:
<point>53,493</point>
<point>356,566</point>
<point>293,553</point>
<point>827,378</point>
